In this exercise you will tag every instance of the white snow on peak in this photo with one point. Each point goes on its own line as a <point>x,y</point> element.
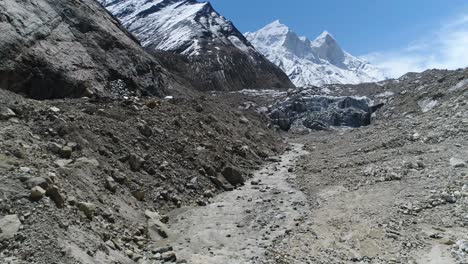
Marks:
<point>325,34</point>
<point>187,27</point>
<point>317,62</point>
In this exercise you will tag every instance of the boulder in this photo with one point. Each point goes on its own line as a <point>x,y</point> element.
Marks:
<point>119,177</point>
<point>145,130</point>
<point>54,193</point>
<point>37,193</point>
<point>139,194</point>
<point>66,152</point>
<point>6,113</point>
<point>457,163</point>
<point>37,181</point>
<point>9,227</point>
<point>89,209</point>
<point>86,162</point>
<point>54,147</point>
<point>135,162</point>
<point>233,176</point>
<point>110,184</point>
<point>169,256</point>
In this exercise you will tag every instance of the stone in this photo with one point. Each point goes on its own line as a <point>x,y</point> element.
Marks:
<point>129,253</point>
<point>54,193</point>
<point>208,194</point>
<point>393,177</point>
<point>145,130</point>
<point>6,113</point>
<point>54,109</point>
<point>156,229</point>
<point>37,193</point>
<point>162,250</point>
<point>89,209</point>
<point>233,176</point>
<point>63,162</point>
<point>66,152</point>
<point>37,181</point>
<point>152,104</point>
<point>209,170</point>
<point>86,162</point>
<point>447,241</point>
<point>54,147</point>
<point>139,195</point>
<point>9,227</point>
<point>25,169</point>
<point>243,120</point>
<point>415,137</point>
<point>110,184</point>
<point>135,162</point>
<point>169,256</point>
<point>457,163</point>
<point>448,198</point>
<point>119,177</point>
<point>199,108</point>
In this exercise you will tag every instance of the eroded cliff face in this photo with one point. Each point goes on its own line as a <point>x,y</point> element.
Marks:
<point>55,49</point>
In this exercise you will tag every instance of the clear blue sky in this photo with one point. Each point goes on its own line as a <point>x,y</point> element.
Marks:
<point>360,26</point>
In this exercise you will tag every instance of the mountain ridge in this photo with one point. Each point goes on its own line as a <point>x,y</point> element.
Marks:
<point>215,48</point>
<point>311,62</point>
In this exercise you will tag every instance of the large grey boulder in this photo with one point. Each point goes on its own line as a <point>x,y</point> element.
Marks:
<point>9,226</point>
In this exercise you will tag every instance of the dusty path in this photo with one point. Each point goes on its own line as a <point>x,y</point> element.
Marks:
<point>239,225</point>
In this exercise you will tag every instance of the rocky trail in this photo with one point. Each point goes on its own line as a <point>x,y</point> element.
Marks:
<point>239,226</point>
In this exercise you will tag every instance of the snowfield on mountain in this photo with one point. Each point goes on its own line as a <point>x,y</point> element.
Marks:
<point>318,62</point>
<point>209,48</point>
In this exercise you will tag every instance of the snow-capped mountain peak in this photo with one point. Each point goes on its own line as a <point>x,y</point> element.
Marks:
<point>218,56</point>
<point>325,36</point>
<point>272,34</point>
<point>182,26</point>
<point>317,62</point>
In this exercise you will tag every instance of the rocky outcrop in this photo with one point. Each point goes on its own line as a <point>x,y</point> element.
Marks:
<point>239,71</point>
<point>322,112</point>
<point>55,49</point>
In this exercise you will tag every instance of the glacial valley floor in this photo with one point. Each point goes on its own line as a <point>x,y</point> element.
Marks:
<point>379,194</point>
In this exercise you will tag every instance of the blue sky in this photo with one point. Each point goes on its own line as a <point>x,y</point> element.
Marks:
<point>402,35</point>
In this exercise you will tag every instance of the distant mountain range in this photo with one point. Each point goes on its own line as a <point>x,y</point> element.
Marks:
<point>218,56</point>
<point>311,62</point>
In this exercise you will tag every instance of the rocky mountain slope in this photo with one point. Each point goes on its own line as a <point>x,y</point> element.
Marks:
<point>84,178</point>
<point>318,62</point>
<point>211,46</point>
<point>54,49</point>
